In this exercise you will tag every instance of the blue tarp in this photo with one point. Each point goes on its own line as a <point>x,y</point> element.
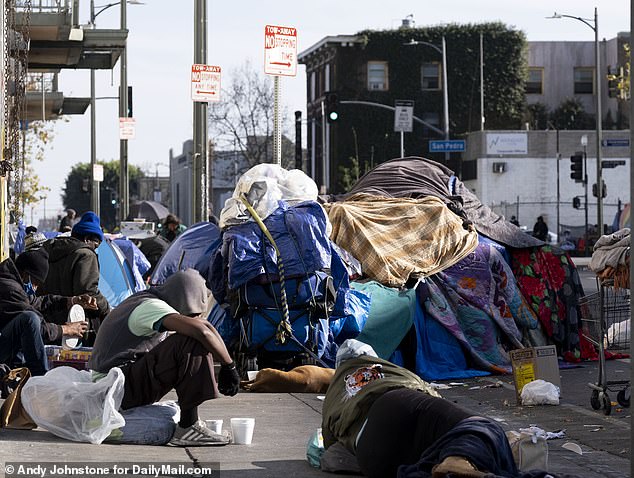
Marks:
<point>116,279</point>
<point>193,249</point>
<point>140,264</point>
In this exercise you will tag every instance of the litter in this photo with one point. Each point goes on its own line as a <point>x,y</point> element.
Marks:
<point>573,447</point>
<point>540,392</point>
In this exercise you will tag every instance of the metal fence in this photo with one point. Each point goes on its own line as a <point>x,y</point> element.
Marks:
<point>43,6</point>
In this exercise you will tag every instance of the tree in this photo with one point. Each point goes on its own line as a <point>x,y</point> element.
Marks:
<point>571,114</point>
<point>77,190</point>
<point>26,188</point>
<point>537,116</point>
<point>243,119</point>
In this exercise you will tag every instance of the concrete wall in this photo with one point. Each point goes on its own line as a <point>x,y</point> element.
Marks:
<point>181,186</point>
<point>527,187</point>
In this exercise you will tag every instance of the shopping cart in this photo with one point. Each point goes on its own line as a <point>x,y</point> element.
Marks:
<point>605,322</point>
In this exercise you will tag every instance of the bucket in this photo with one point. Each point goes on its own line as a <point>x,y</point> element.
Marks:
<point>215,426</point>
<point>242,430</point>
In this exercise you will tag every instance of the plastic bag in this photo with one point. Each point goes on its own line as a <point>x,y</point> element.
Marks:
<point>540,392</point>
<point>147,425</point>
<point>315,448</point>
<point>67,403</point>
<point>529,447</point>
<point>265,185</point>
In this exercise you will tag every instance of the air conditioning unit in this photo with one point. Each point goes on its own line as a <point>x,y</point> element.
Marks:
<point>499,168</point>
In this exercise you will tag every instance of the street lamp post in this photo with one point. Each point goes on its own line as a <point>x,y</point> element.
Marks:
<point>443,51</point>
<point>95,199</point>
<point>597,71</point>
<point>584,143</point>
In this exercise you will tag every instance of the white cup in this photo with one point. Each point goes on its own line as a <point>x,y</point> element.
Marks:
<point>242,430</point>
<point>215,426</point>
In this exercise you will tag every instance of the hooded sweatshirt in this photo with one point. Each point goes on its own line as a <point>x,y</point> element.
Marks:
<point>73,270</point>
<point>14,301</point>
<point>134,327</point>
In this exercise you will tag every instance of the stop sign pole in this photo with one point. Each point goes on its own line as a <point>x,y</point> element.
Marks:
<point>280,59</point>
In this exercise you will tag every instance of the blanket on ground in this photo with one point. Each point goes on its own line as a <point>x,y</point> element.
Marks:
<point>550,283</point>
<point>397,239</point>
<point>479,302</point>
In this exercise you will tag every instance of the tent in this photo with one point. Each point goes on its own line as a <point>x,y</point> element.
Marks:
<point>193,249</point>
<point>116,278</point>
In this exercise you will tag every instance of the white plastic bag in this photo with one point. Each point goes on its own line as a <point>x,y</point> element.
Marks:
<point>265,185</point>
<point>540,392</point>
<point>67,403</point>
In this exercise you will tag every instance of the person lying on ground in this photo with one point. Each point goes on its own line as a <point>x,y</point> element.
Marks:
<point>396,425</point>
<point>74,267</point>
<point>134,338</point>
<point>23,326</point>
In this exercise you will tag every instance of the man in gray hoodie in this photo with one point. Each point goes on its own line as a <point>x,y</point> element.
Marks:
<point>134,337</point>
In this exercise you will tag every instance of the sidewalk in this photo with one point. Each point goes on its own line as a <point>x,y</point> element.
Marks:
<point>284,423</point>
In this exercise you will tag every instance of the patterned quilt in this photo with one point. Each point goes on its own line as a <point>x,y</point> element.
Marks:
<point>480,304</point>
<point>399,238</point>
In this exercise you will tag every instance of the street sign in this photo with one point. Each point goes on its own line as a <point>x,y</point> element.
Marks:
<point>205,83</point>
<point>612,163</point>
<point>448,146</point>
<point>403,115</point>
<point>97,172</point>
<point>616,143</point>
<point>280,50</point>
<point>127,128</point>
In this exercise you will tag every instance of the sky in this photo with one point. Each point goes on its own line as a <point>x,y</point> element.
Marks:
<point>160,54</point>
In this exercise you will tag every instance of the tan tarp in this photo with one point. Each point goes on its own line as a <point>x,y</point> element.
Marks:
<point>398,238</point>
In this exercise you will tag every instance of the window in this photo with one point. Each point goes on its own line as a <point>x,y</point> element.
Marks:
<point>584,81</point>
<point>377,76</point>
<point>535,82</point>
<point>430,76</point>
<point>432,118</point>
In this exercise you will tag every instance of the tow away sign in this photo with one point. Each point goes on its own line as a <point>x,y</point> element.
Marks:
<point>280,50</point>
<point>205,83</point>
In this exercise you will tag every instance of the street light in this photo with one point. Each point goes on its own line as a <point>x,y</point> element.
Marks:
<point>94,199</point>
<point>584,143</point>
<point>594,24</point>
<point>443,52</point>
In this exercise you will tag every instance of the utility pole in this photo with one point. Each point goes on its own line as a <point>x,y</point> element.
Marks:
<point>199,201</point>
<point>124,199</point>
<point>298,140</point>
<point>94,197</point>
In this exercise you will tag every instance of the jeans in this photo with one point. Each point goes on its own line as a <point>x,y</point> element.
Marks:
<point>21,343</point>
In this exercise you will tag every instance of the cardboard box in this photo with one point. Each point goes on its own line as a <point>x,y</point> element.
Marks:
<point>535,363</point>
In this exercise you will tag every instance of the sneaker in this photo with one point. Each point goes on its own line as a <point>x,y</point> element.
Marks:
<point>197,435</point>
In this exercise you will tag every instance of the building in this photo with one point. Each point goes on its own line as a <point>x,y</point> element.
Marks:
<point>497,164</point>
<point>369,71</point>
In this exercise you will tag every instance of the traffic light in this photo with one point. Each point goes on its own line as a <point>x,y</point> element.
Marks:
<point>613,85</point>
<point>332,107</point>
<point>576,167</point>
<point>604,190</point>
<point>576,202</point>
<point>130,115</point>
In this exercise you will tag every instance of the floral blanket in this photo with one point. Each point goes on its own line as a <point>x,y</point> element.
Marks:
<point>479,302</point>
<point>551,284</point>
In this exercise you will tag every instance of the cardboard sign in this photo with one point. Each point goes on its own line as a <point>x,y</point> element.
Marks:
<point>532,364</point>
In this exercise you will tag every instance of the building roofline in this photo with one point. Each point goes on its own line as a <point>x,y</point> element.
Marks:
<point>325,41</point>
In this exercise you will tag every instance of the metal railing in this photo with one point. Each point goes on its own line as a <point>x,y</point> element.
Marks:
<point>43,6</point>
<point>39,82</point>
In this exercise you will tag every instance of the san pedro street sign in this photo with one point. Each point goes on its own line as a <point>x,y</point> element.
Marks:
<point>448,146</point>
<point>280,50</point>
<point>205,83</point>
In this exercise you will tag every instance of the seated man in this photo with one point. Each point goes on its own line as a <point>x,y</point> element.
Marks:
<point>23,328</point>
<point>74,267</point>
<point>134,338</point>
<point>396,425</point>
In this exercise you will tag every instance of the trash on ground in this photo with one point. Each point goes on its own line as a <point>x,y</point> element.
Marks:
<point>572,447</point>
<point>540,392</point>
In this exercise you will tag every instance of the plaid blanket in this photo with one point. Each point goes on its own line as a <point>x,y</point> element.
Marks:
<point>399,238</point>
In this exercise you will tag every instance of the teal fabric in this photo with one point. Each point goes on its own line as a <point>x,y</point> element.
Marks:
<point>391,316</point>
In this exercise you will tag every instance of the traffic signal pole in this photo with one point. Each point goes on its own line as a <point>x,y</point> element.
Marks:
<point>585,207</point>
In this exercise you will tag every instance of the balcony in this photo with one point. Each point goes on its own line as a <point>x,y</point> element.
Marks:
<point>44,101</point>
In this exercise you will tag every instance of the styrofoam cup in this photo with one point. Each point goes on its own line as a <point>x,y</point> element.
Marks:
<point>242,430</point>
<point>252,374</point>
<point>214,425</point>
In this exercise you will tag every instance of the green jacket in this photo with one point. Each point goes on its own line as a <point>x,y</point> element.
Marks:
<point>345,411</point>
